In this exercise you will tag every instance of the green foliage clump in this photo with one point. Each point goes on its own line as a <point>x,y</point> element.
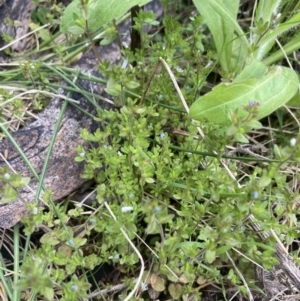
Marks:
<point>173,203</point>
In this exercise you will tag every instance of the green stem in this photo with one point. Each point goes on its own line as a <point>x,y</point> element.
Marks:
<point>16,292</point>
<point>5,280</point>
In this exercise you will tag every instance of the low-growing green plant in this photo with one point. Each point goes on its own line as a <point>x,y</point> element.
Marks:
<point>10,183</point>
<point>172,204</point>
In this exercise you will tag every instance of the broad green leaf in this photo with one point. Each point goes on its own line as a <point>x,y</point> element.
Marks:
<point>255,69</point>
<point>271,91</point>
<point>99,13</point>
<point>222,22</point>
<point>295,100</point>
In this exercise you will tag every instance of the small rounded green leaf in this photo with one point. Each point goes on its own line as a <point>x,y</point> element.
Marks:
<point>210,256</point>
<point>50,238</point>
<point>150,180</point>
<point>271,91</point>
<point>9,194</point>
<point>157,283</point>
<point>175,290</point>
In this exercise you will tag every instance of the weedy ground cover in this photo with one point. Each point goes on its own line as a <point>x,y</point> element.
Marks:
<point>191,158</point>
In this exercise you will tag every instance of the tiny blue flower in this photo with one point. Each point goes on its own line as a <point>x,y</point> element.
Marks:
<point>117,256</point>
<point>74,288</point>
<point>162,136</point>
<point>187,88</point>
<point>105,146</point>
<point>252,103</point>
<point>255,195</point>
<point>156,209</point>
<point>160,97</point>
<point>92,221</point>
<point>144,286</point>
<point>71,242</point>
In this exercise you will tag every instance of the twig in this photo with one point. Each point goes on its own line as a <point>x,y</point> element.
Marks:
<point>241,276</point>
